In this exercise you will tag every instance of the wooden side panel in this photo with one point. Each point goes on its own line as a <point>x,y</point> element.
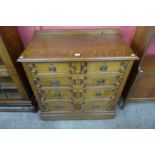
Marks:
<point>30,78</point>
<point>144,86</point>
<point>140,44</point>
<point>126,74</point>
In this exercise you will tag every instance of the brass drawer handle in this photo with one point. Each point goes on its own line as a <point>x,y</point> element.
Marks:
<point>52,68</point>
<point>103,68</point>
<point>98,94</point>
<point>54,83</point>
<point>57,94</point>
<point>101,81</point>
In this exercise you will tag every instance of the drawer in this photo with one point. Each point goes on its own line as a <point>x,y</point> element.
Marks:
<point>99,93</point>
<point>97,106</point>
<point>52,68</point>
<point>108,66</point>
<point>54,81</point>
<point>58,106</point>
<point>56,94</point>
<point>103,80</point>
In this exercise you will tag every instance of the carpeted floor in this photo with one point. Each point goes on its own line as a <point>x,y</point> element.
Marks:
<point>140,115</point>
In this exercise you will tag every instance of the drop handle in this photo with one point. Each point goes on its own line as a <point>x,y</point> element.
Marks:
<point>54,83</point>
<point>98,94</point>
<point>57,94</point>
<point>103,68</point>
<point>101,82</point>
<point>52,69</point>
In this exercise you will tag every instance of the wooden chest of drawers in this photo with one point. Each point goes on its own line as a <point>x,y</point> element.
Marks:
<point>77,74</point>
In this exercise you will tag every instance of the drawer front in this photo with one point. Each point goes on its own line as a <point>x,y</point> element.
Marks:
<point>98,94</point>
<point>108,66</point>
<point>56,94</point>
<point>104,80</point>
<point>58,107</point>
<point>53,81</point>
<point>98,106</point>
<point>52,68</point>
<point>75,86</point>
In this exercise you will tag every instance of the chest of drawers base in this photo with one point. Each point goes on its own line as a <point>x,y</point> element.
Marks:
<point>70,116</point>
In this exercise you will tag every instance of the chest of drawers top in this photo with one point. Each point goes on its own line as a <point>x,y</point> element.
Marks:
<point>77,45</point>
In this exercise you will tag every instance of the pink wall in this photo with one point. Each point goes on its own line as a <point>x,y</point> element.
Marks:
<point>127,33</point>
<point>26,32</point>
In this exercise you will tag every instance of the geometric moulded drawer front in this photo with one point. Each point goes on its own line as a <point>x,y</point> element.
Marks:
<point>108,66</point>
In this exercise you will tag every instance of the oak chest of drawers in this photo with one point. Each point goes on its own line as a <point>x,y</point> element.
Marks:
<point>77,74</point>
